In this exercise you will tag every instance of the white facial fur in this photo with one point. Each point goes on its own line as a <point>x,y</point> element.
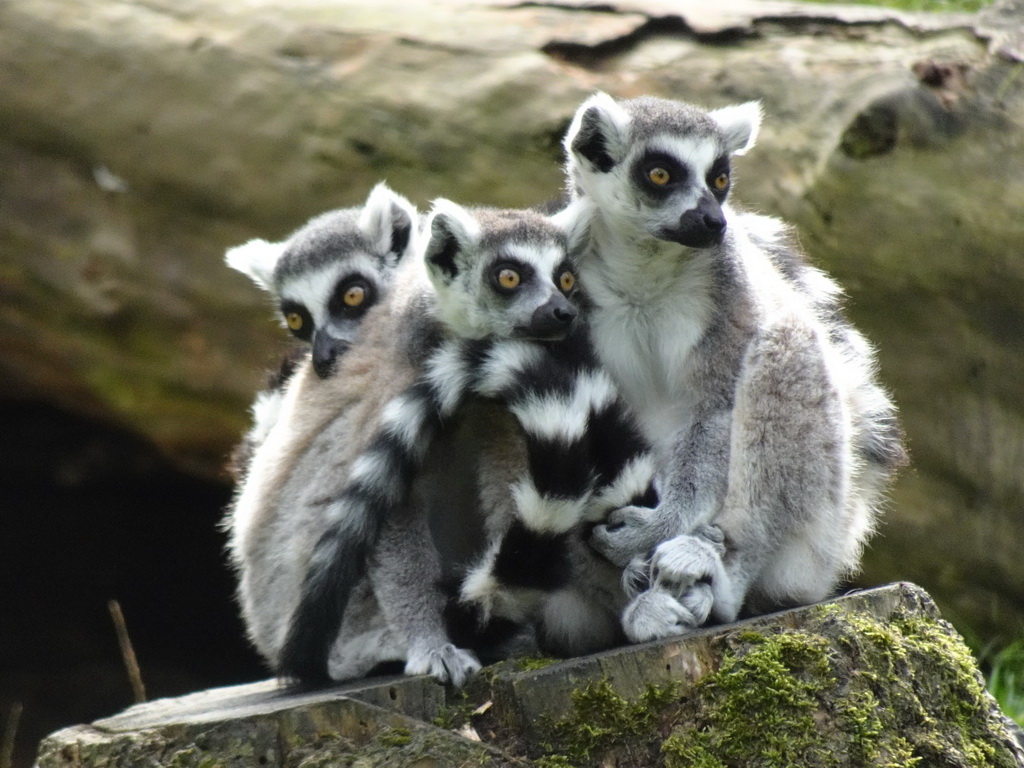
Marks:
<point>697,155</point>
<point>627,137</point>
<point>314,289</point>
<point>468,302</point>
<point>307,268</point>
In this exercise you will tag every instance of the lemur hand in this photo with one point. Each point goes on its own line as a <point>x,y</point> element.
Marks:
<point>684,575</point>
<point>446,664</point>
<point>628,532</point>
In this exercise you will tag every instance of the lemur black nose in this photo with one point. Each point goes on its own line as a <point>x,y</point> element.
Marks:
<point>552,319</point>
<point>714,222</point>
<point>326,349</point>
<point>702,226</point>
<point>565,314</point>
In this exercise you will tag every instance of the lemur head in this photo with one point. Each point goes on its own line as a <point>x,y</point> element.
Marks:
<point>328,273</point>
<point>659,167</point>
<point>504,273</point>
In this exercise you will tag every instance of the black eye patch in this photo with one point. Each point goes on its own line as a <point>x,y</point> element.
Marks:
<point>341,303</point>
<point>524,273</point>
<point>719,178</point>
<point>298,320</point>
<point>659,174</point>
<point>565,278</point>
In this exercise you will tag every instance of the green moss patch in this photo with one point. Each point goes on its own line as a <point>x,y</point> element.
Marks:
<point>533,663</point>
<point>847,689</point>
<point>608,728</point>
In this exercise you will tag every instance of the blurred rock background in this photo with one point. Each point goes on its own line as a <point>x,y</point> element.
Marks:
<point>139,140</point>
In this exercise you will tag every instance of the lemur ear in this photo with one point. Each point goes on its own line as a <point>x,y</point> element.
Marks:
<point>575,220</point>
<point>451,231</point>
<point>739,124</point>
<point>387,219</point>
<point>257,259</point>
<point>599,133</point>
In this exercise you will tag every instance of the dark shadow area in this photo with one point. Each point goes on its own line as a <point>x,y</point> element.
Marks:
<point>89,513</point>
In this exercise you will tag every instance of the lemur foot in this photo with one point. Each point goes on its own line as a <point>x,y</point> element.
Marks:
<point>655,614</point>
<point>447,664</point>
<point>685,560</point>
<point>627,532</point>
<point>672,593</point>
<point>689,567</point>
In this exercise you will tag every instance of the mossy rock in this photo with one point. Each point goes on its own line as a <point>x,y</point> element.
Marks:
<point>877,678</point>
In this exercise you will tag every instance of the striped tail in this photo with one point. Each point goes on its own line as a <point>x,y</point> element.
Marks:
<point>586,453</point>
<point>380,483</point>
<point>586,457</point>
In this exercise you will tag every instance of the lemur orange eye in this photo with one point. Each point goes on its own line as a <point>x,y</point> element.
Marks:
<point>508,278</point>
<point>354,296</point>
<point>294,321</point>
<point>721,182</point>
<point>567,280</point>
<point>659,176</point>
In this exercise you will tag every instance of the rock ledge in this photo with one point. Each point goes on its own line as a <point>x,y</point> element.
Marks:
<point>872,678</point>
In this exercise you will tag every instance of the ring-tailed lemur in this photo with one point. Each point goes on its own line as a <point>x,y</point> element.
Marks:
<point>775,441</point>
<point>505,287</point>
<point>328,273</point>
<point>324,279</point>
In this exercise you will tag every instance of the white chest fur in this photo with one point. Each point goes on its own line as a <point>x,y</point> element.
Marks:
<point>651,310</point>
